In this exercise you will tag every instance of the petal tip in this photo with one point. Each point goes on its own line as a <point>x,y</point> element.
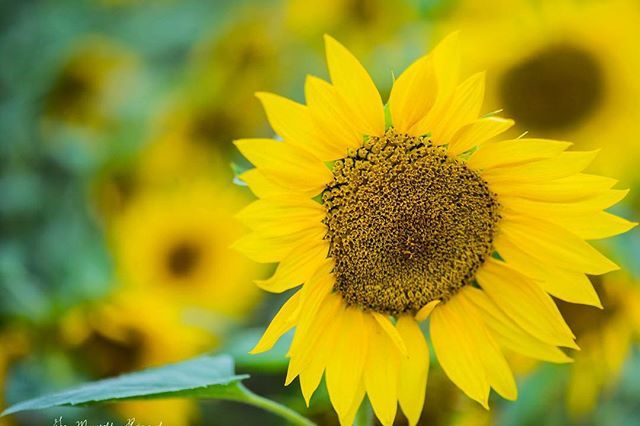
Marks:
<point>426,310</point>
<point>329,39</point>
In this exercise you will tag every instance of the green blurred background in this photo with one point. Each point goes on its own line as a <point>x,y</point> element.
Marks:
<point>117,193</point>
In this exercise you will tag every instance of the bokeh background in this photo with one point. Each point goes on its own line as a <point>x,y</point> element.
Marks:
<point>117,190</point>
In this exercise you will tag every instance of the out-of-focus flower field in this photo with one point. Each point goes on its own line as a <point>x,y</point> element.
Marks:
<point>118,193</point>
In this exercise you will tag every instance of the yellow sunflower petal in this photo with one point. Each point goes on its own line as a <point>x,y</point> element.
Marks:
<point>381,373</point>
<point>495,366</point>
<point>563,165</point>
<point>297,267</point>
<point>456,353</point>
<point>284,320</point>
<point>353,82</point>
<point>414,369</point>
<point>433,77</point>
<point>462,108</point>
<point>553,244</point>
<point>426,310</point>
<point>311,376</point>
<point>319,285</point>
<point>407,108</point>
<point>293,122</point>
<point>333,117</point>
<point>514,152</point>
<point>583,218</point>
<point>595,226</point>
<point>288,165</point>
<point>350,415</point>
<point>282,214</point>
<point>314,324</point>
<point>319,344</point>
<point>346,361</point>
<point>571,286</point>
<point>446,64</point>
<point>525,303</point>
<point>477,132</point>
<point>509,333</point>
<point>260,185</point>
<point>269,248</point>
<point>391,331</point>
<point>563,190</point>
<point>543,209</point>
<point>318,304</point>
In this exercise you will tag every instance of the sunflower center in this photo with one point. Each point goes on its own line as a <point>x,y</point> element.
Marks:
<point>182,259</point>
<point>114,356</point>
<point>407,223</point>
<point>554,89</point>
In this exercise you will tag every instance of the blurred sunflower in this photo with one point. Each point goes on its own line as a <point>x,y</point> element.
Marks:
<point>364,22</point>
<point>389,215</point>
<point>90,85</point>
<point>172,155</point>
<point>136,329</point>
<point>206,111</point>
<point>605,338</point>
<point>173,158</point>
<point>178,279</point>
<point>558,77</point>
<point>174,241</point>
<point>14,344</point>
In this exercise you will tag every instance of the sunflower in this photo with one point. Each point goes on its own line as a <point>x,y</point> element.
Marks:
<point>390,215</point>
<point>177,278</point>
<point>175,241</point>
<point>249,48</point>
<point>14,345</point>
<point>362,21</point>
<point>133,330</point>
<point>605,340</point>
<point>89,87</point>
<point>558,77</point>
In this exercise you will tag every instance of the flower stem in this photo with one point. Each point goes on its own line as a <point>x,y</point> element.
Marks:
<point>285,412</point>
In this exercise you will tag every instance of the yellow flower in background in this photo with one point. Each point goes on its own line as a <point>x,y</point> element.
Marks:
<point>133,330</point>
<point>605,338</point>
<point>563,69</point>
<point>390,216</point>
<point>172,156</point>
<point>225,70</point>
<point>91,85</point>
<point>191,127</point>
<point>363,21</point>
<point>14,344</point>
<point>174,241</point>
<point>180,288</point>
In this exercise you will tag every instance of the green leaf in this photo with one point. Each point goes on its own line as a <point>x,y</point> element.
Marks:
<point>208,374</point>
<point>211,377</point>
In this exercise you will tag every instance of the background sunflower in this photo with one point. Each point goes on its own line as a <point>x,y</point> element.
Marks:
<point>176,243</point>
<point>558,77</point>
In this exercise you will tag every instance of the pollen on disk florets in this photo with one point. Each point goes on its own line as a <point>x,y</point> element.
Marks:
<point>407,223</point>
